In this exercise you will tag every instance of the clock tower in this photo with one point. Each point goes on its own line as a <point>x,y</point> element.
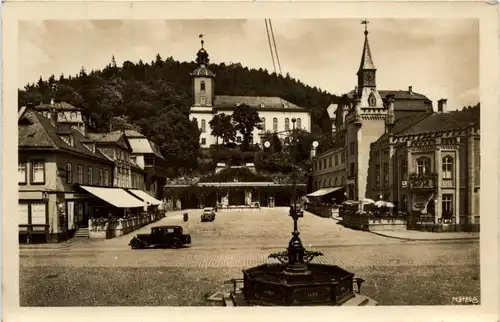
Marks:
<point>367,80</point>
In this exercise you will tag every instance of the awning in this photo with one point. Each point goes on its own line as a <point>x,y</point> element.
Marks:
<point>115,196</point>
<point>324,191</point>
<point>144,196</point>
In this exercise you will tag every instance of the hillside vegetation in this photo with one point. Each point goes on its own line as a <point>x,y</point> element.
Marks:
<point>155,98</point>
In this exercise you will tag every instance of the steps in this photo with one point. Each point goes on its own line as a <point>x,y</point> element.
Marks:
<point>82,233</point>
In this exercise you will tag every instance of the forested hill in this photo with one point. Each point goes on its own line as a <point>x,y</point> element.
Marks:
<point>155,96</point>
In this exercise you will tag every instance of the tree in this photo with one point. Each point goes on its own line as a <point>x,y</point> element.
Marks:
<point>222,127</point>
<point>121,123</point>
<point>245,119</point>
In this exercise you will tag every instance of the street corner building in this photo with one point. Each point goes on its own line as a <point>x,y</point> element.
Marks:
<point>276,113</point>
<point>391,145</point>
<point>68,176</point>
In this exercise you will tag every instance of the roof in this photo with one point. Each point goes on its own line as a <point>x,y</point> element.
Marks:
<point>202,71</point>
<point>253,101</point>
<point>133,133</point>
<point>366,57</point>
<point>398,95</point>
<point>446,121</point>
<point>58,106</point>
<point>36,131</point>
<point>142,145</point>
<point>110,137</point>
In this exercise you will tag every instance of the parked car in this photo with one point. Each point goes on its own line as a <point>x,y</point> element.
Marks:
<point>208,214</point>
<point>161,236</point>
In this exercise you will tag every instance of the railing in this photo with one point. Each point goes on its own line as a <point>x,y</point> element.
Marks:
<point>447,183</point>
<point>422,181</point>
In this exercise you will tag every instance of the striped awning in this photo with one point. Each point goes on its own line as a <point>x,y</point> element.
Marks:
<point>323,191</point>
<point>115,196</point>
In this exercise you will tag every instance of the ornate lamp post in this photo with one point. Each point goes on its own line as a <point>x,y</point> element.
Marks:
<point>296,257</point>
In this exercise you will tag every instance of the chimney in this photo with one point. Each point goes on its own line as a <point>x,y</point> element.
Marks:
<point>391,117</point>
<point>410,90</point>
<point>53,113</point>
<point>442,108</point>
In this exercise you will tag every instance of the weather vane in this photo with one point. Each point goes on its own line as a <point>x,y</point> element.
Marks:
<point>202,42</point>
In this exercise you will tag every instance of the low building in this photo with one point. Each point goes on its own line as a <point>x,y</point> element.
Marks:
<point>233,186</point>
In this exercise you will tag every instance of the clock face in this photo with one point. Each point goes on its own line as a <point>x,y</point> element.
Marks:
<point>370,78</point>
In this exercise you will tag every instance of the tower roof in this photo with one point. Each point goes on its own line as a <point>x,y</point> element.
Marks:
<point>202,60</point>
<point>366,57</point>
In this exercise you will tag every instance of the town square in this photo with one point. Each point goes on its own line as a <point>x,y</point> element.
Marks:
<point>196,182</point>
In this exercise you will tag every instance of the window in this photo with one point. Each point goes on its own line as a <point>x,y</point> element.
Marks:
<point>79,174</point>
<point>352,169</point>
<point>275,124</point>
<point>22,170</point>
<point>324,163</point>
<point>336,181</point>
<point>447,167</point>
<point>89,176</point>
<point>320,164</point>
<point>330,162</point>
<point>423,164</point>
<point>69,173</point>
<point>263,123</point>
<point>203,126</point>
<point>37,171</point>
<point>203,100</point>
<point>299,123</point>
<point>106,177</point>
<point>336,159</point>
<point>352,148</point>
<point>287,124</point>
<point>404,169</point>
<point>342,181</point>
<point>203,141</point>
<point>238,139</point>
<point>386,174</point>
<point>202,86</point>
<point>377,175</point>
<point>342,157</point>
<point>447,205</point>
<point>101,178</point>
<point>329,182</point>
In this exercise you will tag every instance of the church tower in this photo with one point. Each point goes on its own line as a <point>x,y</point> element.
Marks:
<point>203,81</point>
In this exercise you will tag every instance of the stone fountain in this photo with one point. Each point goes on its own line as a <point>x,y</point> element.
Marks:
<point>295,281</point>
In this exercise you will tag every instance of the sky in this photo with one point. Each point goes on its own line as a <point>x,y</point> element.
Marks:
<point>437,57</point>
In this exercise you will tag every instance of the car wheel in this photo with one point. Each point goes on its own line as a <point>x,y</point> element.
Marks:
<point>176,244</point>
<point>136,244</point>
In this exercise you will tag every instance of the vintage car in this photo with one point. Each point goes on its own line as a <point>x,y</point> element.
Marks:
<point>208,214</point>
<point>161,236</point>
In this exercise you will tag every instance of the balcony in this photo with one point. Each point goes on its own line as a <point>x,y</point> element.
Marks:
<point>422,181</point>
<point>447,183</point>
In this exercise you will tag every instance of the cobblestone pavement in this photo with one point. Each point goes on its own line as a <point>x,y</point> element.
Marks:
<point>453,254</point>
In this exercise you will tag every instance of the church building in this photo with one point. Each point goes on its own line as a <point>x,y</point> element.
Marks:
<point>276,113</point>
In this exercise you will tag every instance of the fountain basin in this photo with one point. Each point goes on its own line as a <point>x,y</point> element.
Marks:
<point>269,285</point>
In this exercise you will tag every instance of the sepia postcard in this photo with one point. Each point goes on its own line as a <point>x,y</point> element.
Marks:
<point>283,159</point>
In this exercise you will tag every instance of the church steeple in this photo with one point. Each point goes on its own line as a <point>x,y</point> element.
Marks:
<point>202,55</point>
<point>366,72</point>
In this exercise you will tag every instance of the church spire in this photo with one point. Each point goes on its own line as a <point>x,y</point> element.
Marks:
<point>366,57</point>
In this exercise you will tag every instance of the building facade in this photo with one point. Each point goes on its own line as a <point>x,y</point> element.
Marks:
<point>275,112</point>
<point>387,140</point>
<point>53,161</point>
<point>147,156</point>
